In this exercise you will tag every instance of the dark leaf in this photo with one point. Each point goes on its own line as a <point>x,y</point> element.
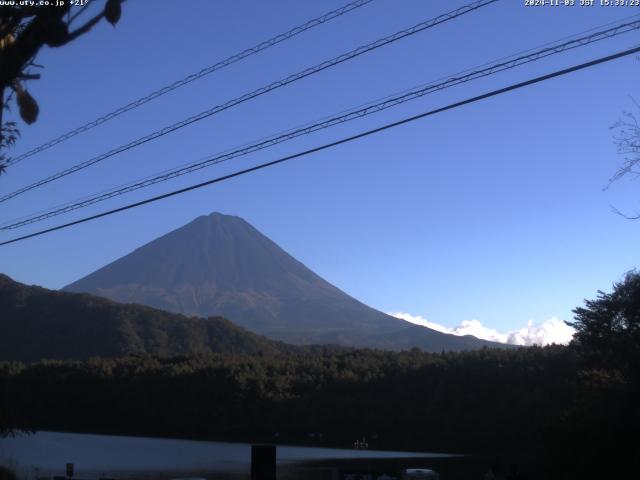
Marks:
<point>57,32</point>
<point>112,11</point>
<point>28,107</point>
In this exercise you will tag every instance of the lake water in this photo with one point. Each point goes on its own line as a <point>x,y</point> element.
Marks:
<point>46,453</point>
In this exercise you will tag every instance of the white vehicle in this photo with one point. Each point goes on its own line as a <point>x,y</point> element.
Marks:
<point>420,473</point>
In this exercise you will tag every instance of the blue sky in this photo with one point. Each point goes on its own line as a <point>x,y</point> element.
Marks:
<point>495,211</point>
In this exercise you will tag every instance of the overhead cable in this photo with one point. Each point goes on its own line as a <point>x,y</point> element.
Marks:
<point>192,77</point>
<point>251,95</point>
<point>326,146</point>
<point>387,103</point>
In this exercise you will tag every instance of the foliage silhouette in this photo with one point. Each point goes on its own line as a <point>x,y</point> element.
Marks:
<point>24,30</point>
<point>561,411</point>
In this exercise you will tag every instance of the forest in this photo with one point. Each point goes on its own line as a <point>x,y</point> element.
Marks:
<point>568,410</point>
<point>39,323</point>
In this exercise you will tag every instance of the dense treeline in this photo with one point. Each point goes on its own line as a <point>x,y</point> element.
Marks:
<point>411,399</point>
<point>536,402</point>
<point>569,411</point>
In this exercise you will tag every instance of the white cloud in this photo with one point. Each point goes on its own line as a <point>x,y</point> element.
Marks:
<point>418,320</point>
<point>553,330</point>
<point>550,331</point>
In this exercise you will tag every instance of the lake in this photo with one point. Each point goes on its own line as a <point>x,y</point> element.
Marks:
<point>46,453</point>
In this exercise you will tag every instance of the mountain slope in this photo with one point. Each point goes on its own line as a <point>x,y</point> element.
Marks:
<point>38,323</point>
<point>221,265</point>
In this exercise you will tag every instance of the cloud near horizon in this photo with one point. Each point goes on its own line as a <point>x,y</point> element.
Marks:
<point>550,331</point>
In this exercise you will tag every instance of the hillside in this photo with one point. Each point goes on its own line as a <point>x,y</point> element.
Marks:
<point>38,323</point>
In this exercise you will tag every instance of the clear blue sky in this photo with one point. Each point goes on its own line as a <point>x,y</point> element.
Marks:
<point>494,211</point>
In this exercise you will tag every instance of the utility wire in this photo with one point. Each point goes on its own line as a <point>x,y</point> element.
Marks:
<point>192,77</point>
<point>326,146</point>
<point>386,103</point>
<point>261,91</point>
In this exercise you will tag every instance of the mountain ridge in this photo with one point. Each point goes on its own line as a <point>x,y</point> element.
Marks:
<point>40,323</point>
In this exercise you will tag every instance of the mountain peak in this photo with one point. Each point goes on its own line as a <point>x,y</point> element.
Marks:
<point>219,217</point>
<point>222,216</point>
<point>193,268</point>
<point>221,265</point>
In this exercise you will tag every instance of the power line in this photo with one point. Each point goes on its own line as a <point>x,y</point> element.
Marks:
<point>194,76</point>
<point>388,102</point>
<point>326,146</point>
<point>261,91</point>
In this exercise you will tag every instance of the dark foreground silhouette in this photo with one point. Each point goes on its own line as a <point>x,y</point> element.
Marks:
<point>558,411</point>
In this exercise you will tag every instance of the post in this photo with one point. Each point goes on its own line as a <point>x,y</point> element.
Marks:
<point>263,462</point>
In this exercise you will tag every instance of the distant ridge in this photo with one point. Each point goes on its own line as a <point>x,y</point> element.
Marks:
<point>220,265</point>
<point>38,323</point>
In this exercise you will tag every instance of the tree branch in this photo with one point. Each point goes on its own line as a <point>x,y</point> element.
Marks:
<point>624,215</point>
<point>14,57</point>
<point>78,13</point>
<point>1,112</point>
<point>29,76</point>
<point>85,28</point>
